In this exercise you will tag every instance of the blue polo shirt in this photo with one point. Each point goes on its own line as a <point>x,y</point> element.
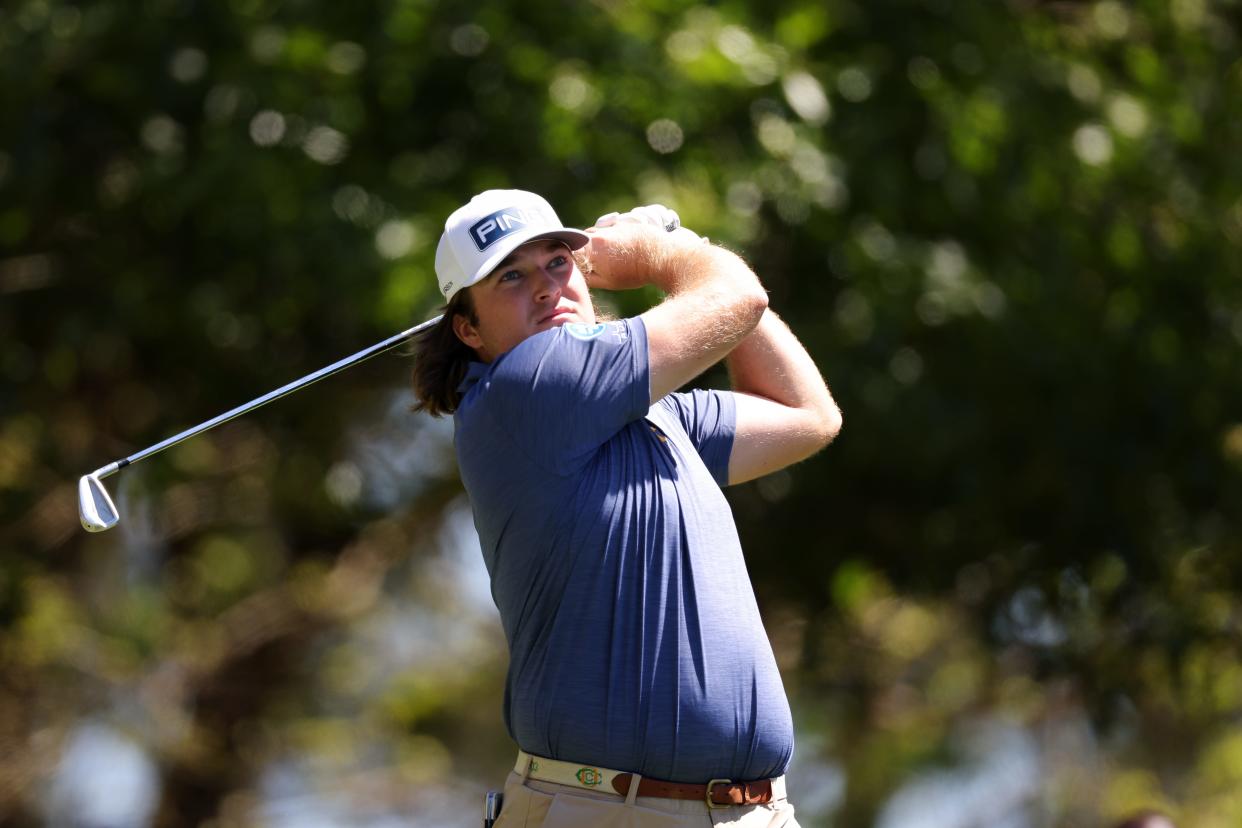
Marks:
<point>634,638</point>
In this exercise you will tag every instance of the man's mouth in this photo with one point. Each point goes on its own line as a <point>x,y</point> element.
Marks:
<point>558,315</point>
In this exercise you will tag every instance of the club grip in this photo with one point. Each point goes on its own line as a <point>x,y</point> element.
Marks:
<point>491,807</point>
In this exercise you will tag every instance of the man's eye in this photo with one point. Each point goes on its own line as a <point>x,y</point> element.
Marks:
<point>510,275</point>
<point>559,261</point>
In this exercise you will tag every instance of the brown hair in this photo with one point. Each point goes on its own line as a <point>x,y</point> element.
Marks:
<point>441,359</point>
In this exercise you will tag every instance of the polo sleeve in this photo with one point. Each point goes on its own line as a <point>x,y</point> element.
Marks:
<point>562,393</point>
<point>709,419</point>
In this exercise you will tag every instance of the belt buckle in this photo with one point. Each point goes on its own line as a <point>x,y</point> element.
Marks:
<point>712,806</point>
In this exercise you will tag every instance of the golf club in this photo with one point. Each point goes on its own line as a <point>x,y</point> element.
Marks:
<point>95,506</point>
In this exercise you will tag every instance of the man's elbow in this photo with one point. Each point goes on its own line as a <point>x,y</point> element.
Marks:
<point>828,425</point>
<point>818,430</point>
<point>753,303</point>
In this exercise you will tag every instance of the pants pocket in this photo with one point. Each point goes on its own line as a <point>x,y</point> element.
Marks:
<point>777,815</point>
<point>569,811</point>
<point>522,807</point>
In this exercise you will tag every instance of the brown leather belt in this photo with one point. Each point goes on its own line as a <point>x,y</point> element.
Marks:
<point>717,793</point>
<point>721,792</point>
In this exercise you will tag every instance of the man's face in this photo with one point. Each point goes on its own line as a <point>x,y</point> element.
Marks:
<point>536,288</point>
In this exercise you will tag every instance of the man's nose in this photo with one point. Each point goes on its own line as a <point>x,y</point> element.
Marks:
<point>546,284</point>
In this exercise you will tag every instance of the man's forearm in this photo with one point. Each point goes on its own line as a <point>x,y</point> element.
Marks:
<point>785,410</point>
<point>713,301</point>
<point>771,363</point>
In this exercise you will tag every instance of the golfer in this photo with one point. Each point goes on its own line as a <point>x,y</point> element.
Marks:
<point>642,689</point>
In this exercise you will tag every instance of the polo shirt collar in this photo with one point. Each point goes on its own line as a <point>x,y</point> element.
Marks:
<point>475,371</point>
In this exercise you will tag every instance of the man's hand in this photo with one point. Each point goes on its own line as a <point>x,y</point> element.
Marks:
<point>654,214</point>
<point>628,254</point>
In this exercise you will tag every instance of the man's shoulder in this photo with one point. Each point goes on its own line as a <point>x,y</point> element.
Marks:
<point>613,331</point>
<point>561,393</point>
<point>573,342</point>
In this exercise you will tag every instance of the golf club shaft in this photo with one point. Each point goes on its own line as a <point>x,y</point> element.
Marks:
<point>258,402</point>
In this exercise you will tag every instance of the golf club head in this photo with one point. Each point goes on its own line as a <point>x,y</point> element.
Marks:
<point>95,506</point>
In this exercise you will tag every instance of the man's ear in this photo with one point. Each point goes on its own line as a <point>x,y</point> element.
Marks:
<point>466,331</point>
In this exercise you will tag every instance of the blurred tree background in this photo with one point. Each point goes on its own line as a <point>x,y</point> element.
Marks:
<point>1009,232</point>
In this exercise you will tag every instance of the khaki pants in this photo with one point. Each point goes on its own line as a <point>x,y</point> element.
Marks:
<point>531,803</point>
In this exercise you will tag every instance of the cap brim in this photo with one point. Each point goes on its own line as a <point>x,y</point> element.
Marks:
<point>574,239</point>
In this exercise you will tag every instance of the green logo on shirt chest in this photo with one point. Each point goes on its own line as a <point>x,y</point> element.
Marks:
<point>579,330</point>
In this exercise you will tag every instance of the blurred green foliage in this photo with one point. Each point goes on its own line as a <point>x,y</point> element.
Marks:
<point>1009,233</point>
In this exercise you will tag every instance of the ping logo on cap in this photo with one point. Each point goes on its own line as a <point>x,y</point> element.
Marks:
<point>490,229</point>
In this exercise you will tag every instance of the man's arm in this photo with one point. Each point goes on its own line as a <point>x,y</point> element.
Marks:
<point>713,299</point>
<point>715,306</point>
<point>785,412</point>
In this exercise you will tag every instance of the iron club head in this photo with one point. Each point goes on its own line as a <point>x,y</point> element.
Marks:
<point>94,505</point>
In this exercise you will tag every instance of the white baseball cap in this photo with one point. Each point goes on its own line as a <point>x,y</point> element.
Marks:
<point>479,235</point>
